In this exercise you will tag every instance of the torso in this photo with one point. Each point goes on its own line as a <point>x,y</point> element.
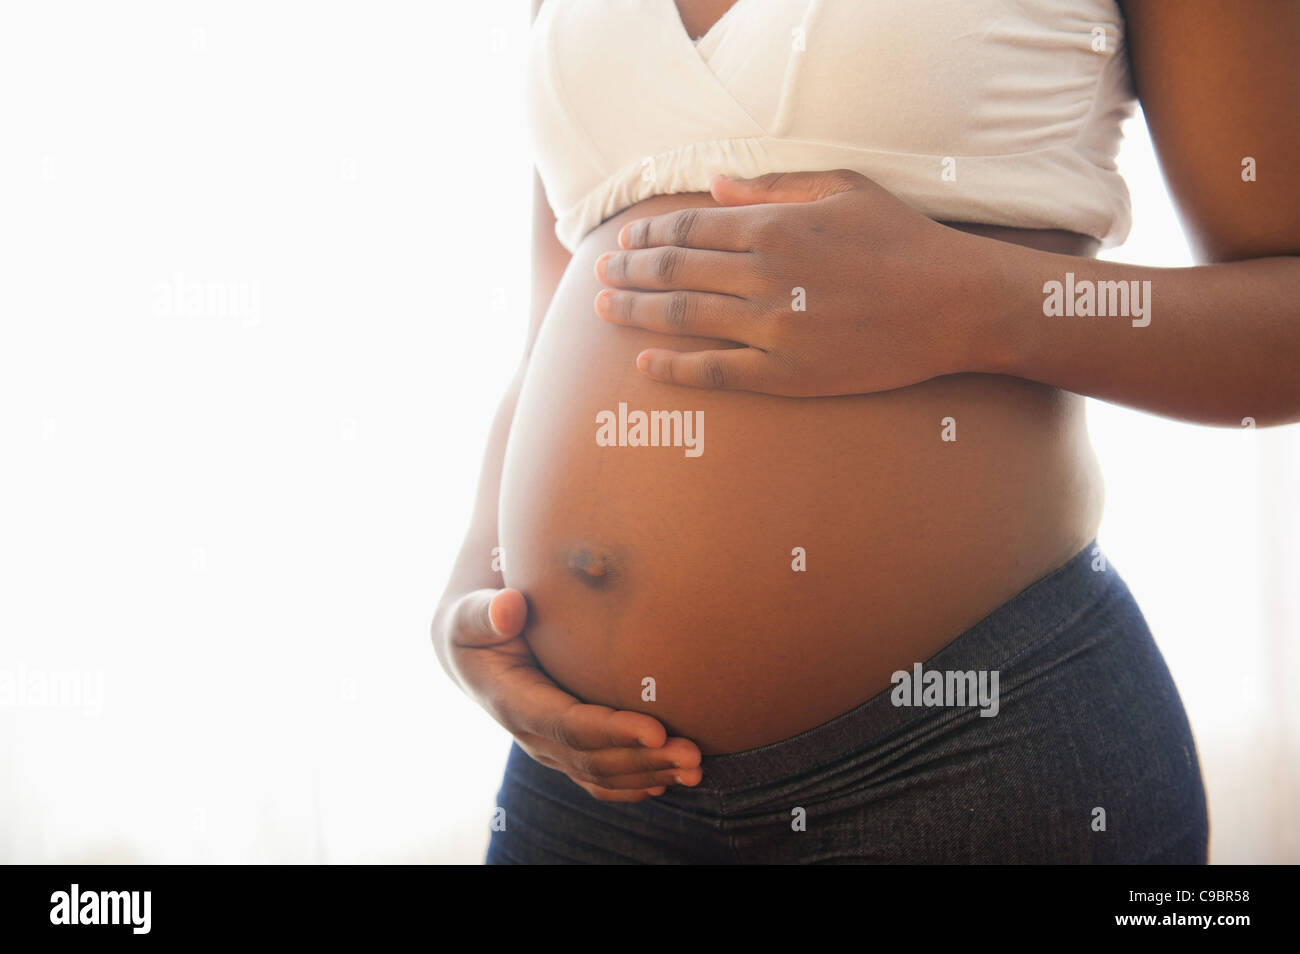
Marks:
<point>643,562</point>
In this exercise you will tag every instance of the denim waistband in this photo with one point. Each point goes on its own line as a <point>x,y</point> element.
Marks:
<point>1036,614</point>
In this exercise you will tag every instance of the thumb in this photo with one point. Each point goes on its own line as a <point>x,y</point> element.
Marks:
<point>488,617</point>
<point>783,187</point>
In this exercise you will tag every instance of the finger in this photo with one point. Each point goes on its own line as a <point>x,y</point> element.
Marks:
<point>733,369</point>
<point>727,230</point>
<point>488,617</point>
<point>591,727</point>
<point>701,314</point>
<point>785,187</point>
<point>602,765</point>
<point>530,705</point>
<point>659,269</point>
<point>507,612</point>
<point>619,795</point>
<point>687,778</point>
<point>617,768</point>
<point>579,768</point>
<point>526,701</point>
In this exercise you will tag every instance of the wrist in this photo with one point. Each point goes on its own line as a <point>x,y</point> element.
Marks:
<point>998,295</point>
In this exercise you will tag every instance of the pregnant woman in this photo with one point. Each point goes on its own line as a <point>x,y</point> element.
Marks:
<point>784,542</point>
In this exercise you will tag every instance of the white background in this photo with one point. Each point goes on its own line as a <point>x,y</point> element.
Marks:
<point>263,277</point>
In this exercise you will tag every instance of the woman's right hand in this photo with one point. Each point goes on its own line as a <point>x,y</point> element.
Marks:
<point>616,755</point>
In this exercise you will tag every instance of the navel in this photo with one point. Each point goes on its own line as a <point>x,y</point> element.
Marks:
<point>592,566</point>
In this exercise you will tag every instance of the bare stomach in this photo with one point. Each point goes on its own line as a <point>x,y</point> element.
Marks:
<point>772,570</point>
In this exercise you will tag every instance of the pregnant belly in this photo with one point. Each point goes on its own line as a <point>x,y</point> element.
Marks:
<point>772,561</point>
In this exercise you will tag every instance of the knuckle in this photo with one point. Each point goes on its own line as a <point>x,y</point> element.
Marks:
<point>840,178</point>
<point>666,264</point>
<point>783,360</point>
<point>586,767</point>
<point>619,265</point>
<point>767,311</point>
<point>775,266</point>
<point>470,617</point>
<point>767,275</point>
<point>769,231</point>
<point>557,730</point>
<point>547,729</point>
<point>681,224</point>
<point>712,372</point>
<point>677,312</point>
<point>774,179</point>
<point>850,179</point>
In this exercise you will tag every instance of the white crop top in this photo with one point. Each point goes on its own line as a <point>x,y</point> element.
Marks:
<point>1002,112</point>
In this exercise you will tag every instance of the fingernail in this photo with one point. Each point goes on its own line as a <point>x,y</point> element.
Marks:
<point>600,265</point>
<point>655,793</point>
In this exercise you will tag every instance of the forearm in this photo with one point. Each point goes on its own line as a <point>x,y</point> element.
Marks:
<point>1212,344</point>
<point>478,563</point>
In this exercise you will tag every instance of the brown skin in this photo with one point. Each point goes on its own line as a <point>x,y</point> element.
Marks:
<point>642,562</point>
<point>1210,80</point>
<point>616,756</point>
<point>889,291</point>
<point>699,15</point>
<point>478,625</point>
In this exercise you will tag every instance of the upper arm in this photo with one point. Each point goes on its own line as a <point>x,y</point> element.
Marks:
<point>549,260</point>
<point>1219,82</point>
<point>549,257</point>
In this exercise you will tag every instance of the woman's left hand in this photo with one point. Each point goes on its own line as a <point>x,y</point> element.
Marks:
<point>832,284</point>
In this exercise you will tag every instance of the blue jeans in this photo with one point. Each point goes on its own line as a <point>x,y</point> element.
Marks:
<point>1088,759</point>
